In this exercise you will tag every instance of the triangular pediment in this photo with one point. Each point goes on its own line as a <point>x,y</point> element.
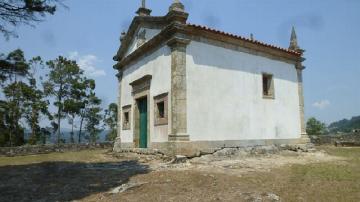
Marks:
<point>141,29</point>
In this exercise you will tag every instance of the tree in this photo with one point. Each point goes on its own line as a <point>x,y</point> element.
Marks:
<point>44,134</point>
<point>86,101</point>
<point>63,73</point>
<point>93,118</point>
<point>4,128</point>
<point>17,12</point>
<point>110,120</point>
<point>77,100</point>
<point>35,103</point>
<point>13,68</point>
<point>315,127</point>
<point>15,105</point>
<point>345,125</point>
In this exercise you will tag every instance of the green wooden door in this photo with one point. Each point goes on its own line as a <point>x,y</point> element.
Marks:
<point>143,122</point>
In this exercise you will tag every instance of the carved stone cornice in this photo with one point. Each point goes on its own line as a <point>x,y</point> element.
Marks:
<point>141,84</point>
<point>119,75</point>
<point>194,34</point>
<point>177,16</point>
<point>176,42</point>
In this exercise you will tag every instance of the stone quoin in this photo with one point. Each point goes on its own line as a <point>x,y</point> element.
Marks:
<point>185,88</point>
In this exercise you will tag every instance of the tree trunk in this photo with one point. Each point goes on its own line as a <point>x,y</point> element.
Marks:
<point>58,122</point>
<point>59,113</point>
<point>72,130</point>
<point>81,123</point>
<point>33,138</point>
<point>44,138</point>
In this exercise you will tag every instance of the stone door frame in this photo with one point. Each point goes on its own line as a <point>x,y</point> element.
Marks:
<point>141,89</point>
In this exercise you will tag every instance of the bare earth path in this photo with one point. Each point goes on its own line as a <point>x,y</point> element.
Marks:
<point>329,175</point>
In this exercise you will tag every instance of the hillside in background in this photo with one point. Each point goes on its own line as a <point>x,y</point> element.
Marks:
<point>66,134</point>
<point>345,125</point>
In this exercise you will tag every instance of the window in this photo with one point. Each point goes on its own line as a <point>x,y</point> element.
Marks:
<point>126,117</point>
<point>161,109</point>
<point>268,86</point>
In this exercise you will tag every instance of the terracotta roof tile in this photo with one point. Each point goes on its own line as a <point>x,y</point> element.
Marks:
<point>245,39</point>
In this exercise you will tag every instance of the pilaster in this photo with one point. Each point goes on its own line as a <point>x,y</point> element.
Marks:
<point>119,125</point>
<point>178,89</point>
<point>304,136</point>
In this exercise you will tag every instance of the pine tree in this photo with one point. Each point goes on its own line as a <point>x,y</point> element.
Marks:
<point>110,120</point>
<point>13,68</point>
<point>93,118</point>
<point>63,74</point>
<point>14,13</point>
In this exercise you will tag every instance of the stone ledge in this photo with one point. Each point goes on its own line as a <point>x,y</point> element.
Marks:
<point>196,148</point>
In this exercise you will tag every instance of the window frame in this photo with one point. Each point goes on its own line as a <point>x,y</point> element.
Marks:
<point>270,86</point>
<point>157,119</point>
<point>126,125</point>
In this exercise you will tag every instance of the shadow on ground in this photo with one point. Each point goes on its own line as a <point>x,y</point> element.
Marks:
<point>64,181</point>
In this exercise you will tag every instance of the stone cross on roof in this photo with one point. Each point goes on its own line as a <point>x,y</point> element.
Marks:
<point>143,11</point>
<point>143,3</point>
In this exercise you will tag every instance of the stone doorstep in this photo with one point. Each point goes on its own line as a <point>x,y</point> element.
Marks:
<point>143,151</point>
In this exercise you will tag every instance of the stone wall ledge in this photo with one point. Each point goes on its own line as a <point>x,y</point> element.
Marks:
<point>352,139</point>
<point>256,149</point>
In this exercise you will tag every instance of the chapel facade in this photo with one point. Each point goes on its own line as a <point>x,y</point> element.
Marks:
<point>186,88</point>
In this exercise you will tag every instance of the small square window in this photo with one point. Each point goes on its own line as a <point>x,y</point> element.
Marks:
<point>161,109</point>
<point>268,86</point>
<point>126,117</point>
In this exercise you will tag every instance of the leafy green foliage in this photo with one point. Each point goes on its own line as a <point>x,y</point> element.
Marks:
<point>25,104</point>
<point>345,125</point>
<point>110,120</point>
<point>81,87</point>
<point>13,66</point>
<point>315,127</point>
<point>14,13</point>
<point>93,118</point>
<point>63,75</point>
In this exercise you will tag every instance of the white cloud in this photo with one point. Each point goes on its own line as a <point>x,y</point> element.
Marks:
<point>322,104</point>
<point>87,63</point>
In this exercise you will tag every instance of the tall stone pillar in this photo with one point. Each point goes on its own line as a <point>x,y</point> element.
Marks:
<point>178,90</point>
<point>117,143</point>
<point>299,68</point>
<point>301,99</point>
<point>304,136</point>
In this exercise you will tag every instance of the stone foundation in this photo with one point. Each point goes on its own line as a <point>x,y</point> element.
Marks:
<point>196,148</point>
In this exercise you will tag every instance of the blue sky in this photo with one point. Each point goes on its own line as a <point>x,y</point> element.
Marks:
<point>88,31</point>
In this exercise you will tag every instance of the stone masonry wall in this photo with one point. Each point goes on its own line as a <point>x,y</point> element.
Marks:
<point>352,139</point>
<point>45,149</point>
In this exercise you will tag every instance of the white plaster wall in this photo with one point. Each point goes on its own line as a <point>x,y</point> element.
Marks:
<point>224,96</point>
<point>150,33</point>
<point>157,64</point>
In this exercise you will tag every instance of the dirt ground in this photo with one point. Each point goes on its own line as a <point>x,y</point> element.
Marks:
<point>330,174</point>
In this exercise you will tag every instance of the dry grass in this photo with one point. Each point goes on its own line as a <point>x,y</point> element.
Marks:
<point>80,156</point>
<point>89,175</point>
